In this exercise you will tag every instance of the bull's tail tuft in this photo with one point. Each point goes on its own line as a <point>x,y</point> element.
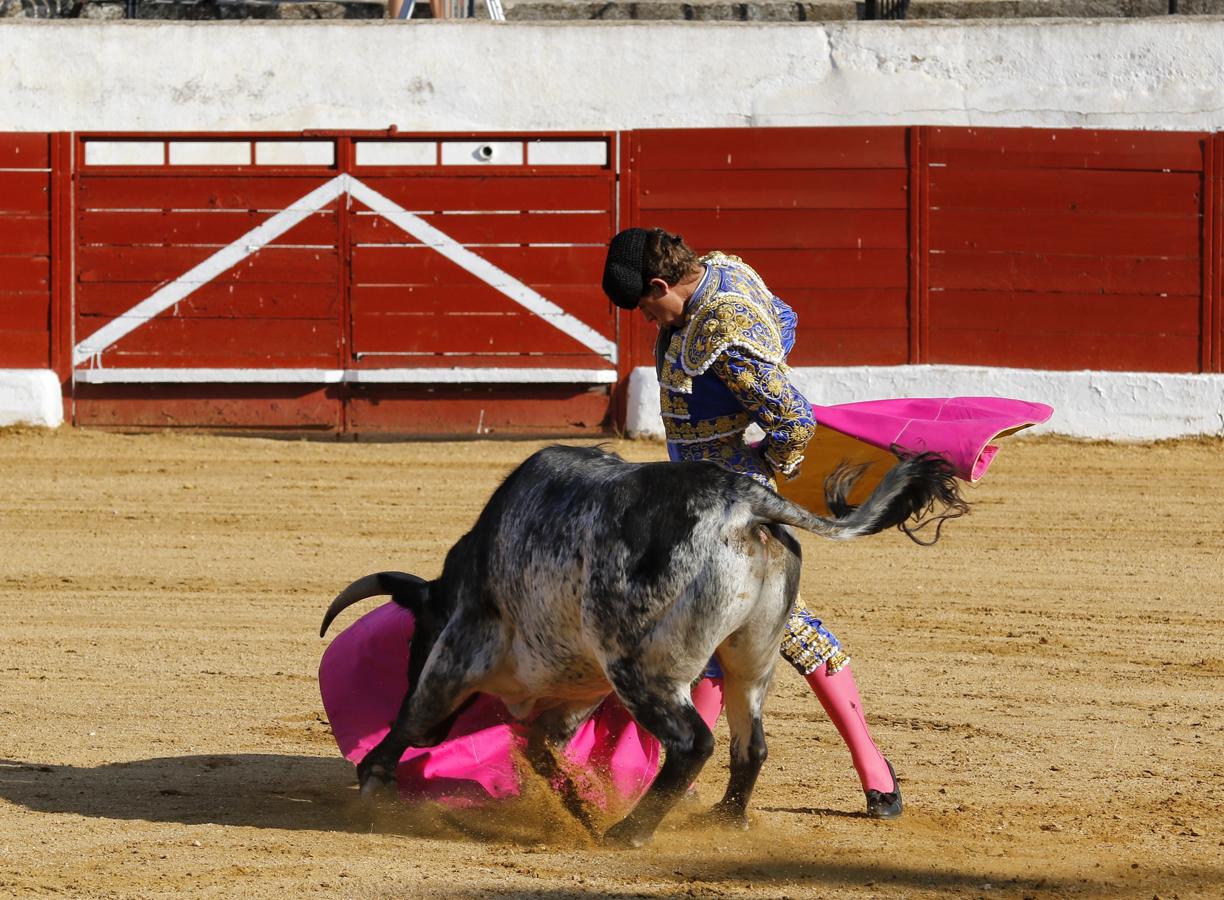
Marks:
<point>924,491</point>
<point>917,491</point>
<point>407,590</point>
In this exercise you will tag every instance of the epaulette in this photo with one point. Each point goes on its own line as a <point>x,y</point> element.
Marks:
<point>730,320</point>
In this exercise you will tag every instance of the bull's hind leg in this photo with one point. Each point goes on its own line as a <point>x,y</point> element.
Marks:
<point>748,658</point>
<point>744,700</point>
<point>452,674</point>
<point>667,712</point>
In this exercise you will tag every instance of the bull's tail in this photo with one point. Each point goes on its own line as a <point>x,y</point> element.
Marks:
<point>406,590</point>
<point>916,491</point>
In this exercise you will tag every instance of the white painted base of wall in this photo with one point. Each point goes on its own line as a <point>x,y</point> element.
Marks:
<point>30,397</point>
<point>1124,406</point>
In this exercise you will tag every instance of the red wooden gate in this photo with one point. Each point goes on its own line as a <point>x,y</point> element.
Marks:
<point>476,263</point>
<point>344,282</point>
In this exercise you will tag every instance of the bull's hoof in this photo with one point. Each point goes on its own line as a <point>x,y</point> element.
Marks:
<point>375,781</point>
<point>722,816</point>
<point>626,835</point>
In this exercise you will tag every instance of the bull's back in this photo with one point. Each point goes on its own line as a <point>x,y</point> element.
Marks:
<point>593,549</point>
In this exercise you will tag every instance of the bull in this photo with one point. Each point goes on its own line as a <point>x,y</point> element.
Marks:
<point>586,575</point>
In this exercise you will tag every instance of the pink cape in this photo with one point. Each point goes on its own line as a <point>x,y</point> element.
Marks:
<point>363,677</point>
<point>363,674</point>
<point>959,428</point>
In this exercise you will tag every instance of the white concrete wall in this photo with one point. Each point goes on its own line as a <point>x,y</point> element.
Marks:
<point>1159,73</point>
<point>1133,406</point>
<point>30,397</point>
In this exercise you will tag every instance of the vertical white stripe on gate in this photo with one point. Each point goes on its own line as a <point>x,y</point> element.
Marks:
<point>223,259</point>
<point>490,274</point>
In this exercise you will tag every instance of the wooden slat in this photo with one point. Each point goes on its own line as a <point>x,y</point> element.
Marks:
<point>221,343</point>
<point>772,189</point>
<point>20,349</point>
<point>772,148</point>
<point>1062,352</point>
<point>271,264</point>
<point>516,192</point>
<point>500,409</point>
<point>211,228</point>
<point>1213,214</point>
<point>535,266</point>
<point>821,309</point>
<point>587,302</point>
<point>1066,149</point>
<point>192,191</point>
<point>1081,191</point>
<point>874,346</point>
<point>545,360</point>
<point>265,407</point>
<point>516,228</point>
<point>1050,272</point>
<point>24,150</point>
<point>25,192</point>
<point>744,231</point>
<point>1112,235</point>
<point>25,273</point>
<point>25,310</point>
<point>1088,315</point>
<point>241,300</point>
<point>516,333</point>
<point>919,257</point>
<point>784,270</point>
<point>25,235</point>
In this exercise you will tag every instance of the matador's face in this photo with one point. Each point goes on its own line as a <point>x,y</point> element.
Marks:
<point>663,304</point>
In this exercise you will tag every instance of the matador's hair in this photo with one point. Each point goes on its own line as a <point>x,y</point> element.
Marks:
<point>636,255</point>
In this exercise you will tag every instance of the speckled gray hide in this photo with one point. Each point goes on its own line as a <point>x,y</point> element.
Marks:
<point>587,574</point>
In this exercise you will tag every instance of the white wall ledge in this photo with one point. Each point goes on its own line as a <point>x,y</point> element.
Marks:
<point>1117,406</point>
<point>504,375</point>
<point>30,397</point>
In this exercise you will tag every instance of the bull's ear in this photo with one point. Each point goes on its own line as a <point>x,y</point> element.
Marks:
<point>407,590</point>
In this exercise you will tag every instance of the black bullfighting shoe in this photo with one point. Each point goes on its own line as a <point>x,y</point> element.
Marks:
<point>885,805</point>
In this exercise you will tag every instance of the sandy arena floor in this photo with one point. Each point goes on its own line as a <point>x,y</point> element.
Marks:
<point>1047,680</point>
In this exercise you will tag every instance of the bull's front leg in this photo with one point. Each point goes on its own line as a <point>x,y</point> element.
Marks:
<point>449,679</point>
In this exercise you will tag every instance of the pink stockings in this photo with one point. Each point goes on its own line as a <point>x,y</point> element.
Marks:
<point>708,698</point>
<point>840,698</point>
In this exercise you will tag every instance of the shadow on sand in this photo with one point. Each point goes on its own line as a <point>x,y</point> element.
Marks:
<point>318,793</point>
<point>270,791</point>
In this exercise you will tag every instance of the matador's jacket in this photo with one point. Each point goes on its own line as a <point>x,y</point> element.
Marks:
<point>724,369</point>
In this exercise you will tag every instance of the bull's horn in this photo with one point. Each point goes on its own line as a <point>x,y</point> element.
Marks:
<point>398,584</point>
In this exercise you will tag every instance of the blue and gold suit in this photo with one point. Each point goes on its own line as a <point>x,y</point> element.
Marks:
<point>724,369</point>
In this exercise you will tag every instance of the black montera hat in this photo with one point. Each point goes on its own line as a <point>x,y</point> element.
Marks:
<point>623,281</point>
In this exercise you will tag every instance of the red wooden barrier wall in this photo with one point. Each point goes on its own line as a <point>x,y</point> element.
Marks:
<point>26,239</point>
<point>1066,249</point>
<point>1057,249</point>
<point>821,213</point>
